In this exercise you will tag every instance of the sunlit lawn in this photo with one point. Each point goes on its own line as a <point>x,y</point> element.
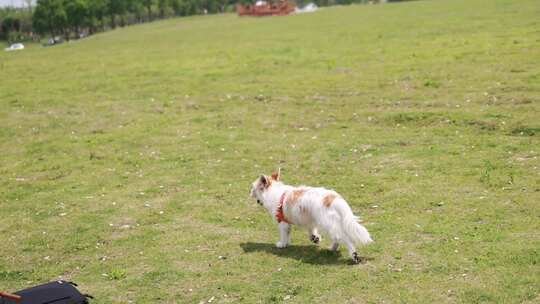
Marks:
<point>126,157</point>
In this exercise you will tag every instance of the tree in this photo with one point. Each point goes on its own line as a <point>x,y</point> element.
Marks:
<point>223,5</point>
<point>209,6</point>
<point>176,5</point>
<point>183,7</point>
<point>117,7</point>
<point>50,16</point>
<point>15,24</point>
<point>136,7</point>
<point>148,4</point>
<point>162,5</point>
<point>77,14</point>
<point>11,27</point>
<point>97,10</point>
<point>10,24</point>
<point>29,4</point>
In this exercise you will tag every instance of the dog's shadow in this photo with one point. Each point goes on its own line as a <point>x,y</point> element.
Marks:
<point>305,253</point>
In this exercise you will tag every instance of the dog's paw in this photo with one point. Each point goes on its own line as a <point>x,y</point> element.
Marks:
<point>315,239</point>
<point>357,259</point>
<point>281,244</point>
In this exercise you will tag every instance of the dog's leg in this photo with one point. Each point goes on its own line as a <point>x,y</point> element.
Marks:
<point>334,246</point>
<point>314,236</point>
<point>284,235</point>
<point>289,228</point>
<point>352,251</point>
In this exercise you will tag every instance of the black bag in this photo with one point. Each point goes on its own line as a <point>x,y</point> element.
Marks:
<point>59,292</point>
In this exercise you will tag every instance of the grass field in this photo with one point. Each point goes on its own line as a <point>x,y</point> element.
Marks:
<point>127,157</point>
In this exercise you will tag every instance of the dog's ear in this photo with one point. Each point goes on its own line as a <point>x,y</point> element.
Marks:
<point>264,181</point>
<point>277,175</point>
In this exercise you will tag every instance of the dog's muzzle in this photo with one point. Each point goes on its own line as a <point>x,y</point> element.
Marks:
<point>259,202</point>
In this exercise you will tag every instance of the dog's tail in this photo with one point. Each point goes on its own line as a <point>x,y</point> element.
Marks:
<point>349,222</point>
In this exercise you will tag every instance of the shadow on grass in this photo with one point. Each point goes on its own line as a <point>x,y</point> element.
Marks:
<point>305,253</point>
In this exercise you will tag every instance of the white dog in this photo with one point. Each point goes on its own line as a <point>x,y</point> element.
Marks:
<point>311,208</point>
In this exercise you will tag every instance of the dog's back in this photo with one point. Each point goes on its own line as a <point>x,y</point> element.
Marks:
<point>327,210</point>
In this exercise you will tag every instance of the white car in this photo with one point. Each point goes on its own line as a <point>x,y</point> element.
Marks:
<point>15,47</point>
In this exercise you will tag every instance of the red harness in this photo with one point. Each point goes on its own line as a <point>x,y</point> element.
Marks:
<point>279,215</point>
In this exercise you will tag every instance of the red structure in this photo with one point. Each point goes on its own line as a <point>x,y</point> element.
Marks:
<point>263,8</point>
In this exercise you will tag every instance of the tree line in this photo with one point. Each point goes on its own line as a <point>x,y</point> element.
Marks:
<point>15,24</point>
<point>78,18</point>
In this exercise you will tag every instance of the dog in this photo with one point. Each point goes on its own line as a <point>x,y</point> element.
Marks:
<point>316,209</point>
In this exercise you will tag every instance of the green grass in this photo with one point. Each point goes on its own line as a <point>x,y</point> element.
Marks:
<point>127,157</point>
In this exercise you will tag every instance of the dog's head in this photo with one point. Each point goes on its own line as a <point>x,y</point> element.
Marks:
<point>262,184</point>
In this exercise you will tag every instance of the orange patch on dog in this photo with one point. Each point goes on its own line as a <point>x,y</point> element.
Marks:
<point>327,200</point>
<point>296,194</point>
